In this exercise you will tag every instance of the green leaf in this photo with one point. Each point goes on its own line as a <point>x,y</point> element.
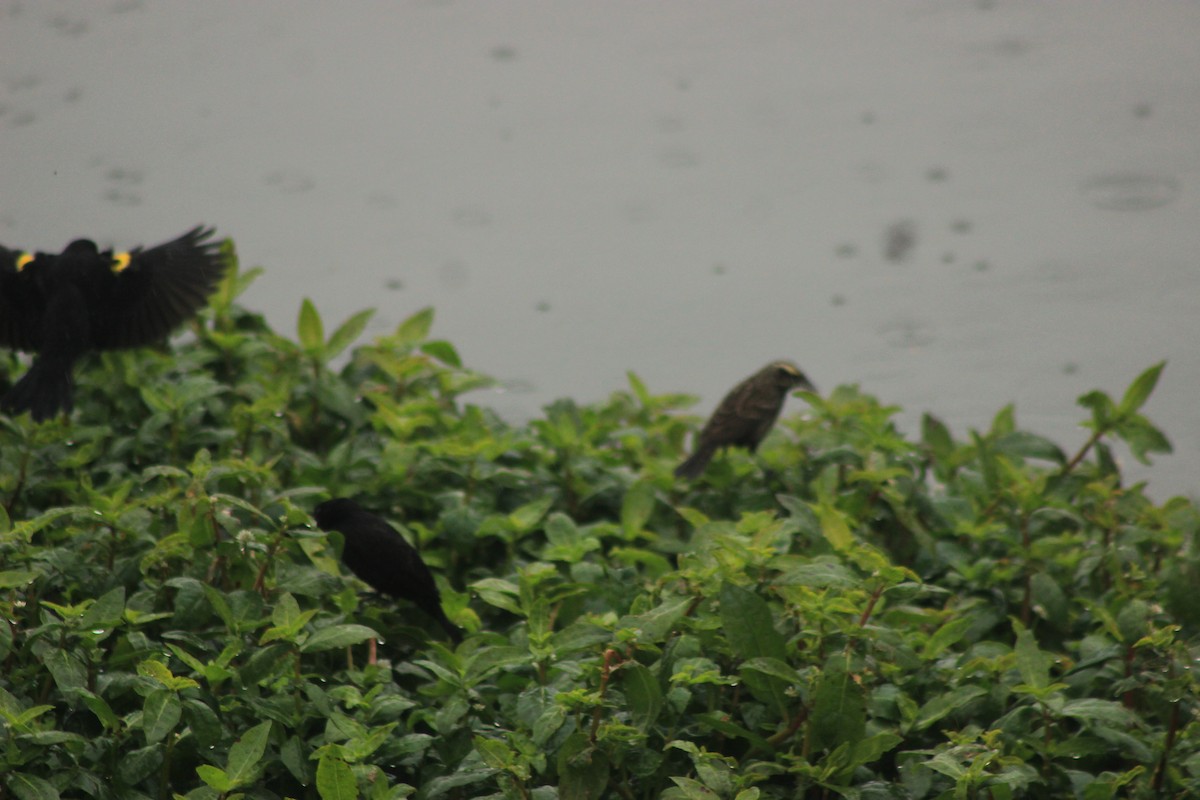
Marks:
<point>1004,423</point>
<point>286,610</point>
<point>1049,600</point>
<point>839,707</point>
<point>655,565</point>
<point>692,789</point>
<point>803,513</point>
<point>23,719</point>
<point>564,540</point>
<point>1098,710</point>
<point>527,516</point>
<point>1140,390</point>
<point>950,632</point>
<point>746,620</point>
<point>714,772</point>
<point>694,518</point>
<point>245,754</point>
<point>220,605</point>
<point>69,674</point>
<point>12,578</point>
<point>336,636</point>
<point>946,703</point>
<point>1142,437</point>
<point>749,628</point>
<point>160,714</point>
<point>312,334</point>
<point>1102,408</point>
<point>246,278</point>
<point>161,673</point>
<point>1133,620</point>
<point>636,507</point>
<point>947,764</point>
<point>495,753</point>
<point>101,709</point>
<point>868,750</point>
<point>244,505</point>
<point>137,765</point>
<point>1029,445</point>
<point>819,574</point>
<point>639,389</point>
<point>288,620</point>
<point>30,787</point>
<point>203,723</point>
<point>415,328</point>
<point>1032,663</point>
<point>499,593</point>
<point>834,528</point>
<point>659,621</point>
<point>724,726</point>
<point>27,528</point>
<point>488,659</point>
<point>443,351</point>
<point>582,769</point>
<point>347,332</point>
<point>773,667</point>
<point>936,437</point>
<point>293,757</point>
<point>445,785</point>
<point>214,777</point>
<point>643,694</point>
<point>335,779</point>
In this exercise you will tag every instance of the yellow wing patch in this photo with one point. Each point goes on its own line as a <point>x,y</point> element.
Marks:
<point>24,260</point>
<point>120,262</point>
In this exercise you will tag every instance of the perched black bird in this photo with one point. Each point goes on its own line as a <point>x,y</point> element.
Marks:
<point>62,306</point>
<point>382,558</point>
<point>745,415</point>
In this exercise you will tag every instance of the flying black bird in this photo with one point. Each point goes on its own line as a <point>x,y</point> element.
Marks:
<point>382,558</point>
<point>62,306</point>
<point>746,414</point>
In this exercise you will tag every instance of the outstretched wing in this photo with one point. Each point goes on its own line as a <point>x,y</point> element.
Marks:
<point>21,301</point>
<point>157,290</point>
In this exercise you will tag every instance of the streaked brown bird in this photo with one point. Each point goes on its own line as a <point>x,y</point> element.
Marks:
<point>746,415</point>
<point>383,559</point>
<point>61,306</point>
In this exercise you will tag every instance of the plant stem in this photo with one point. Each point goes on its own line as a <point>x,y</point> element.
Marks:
<point>1083,451</point>
<point>866,614</point>
<point>610,657</point>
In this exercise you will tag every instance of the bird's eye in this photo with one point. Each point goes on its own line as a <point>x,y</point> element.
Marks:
<point>24,260</point>
<point>120,261</point>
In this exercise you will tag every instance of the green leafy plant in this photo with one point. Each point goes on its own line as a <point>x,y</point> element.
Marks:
<point>848,613</point>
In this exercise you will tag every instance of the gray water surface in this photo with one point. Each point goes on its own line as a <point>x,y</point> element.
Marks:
<point>955,205</point>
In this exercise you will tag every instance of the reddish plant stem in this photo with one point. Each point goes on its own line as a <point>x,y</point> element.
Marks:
<point>611,658</point>
<point>866,614</point>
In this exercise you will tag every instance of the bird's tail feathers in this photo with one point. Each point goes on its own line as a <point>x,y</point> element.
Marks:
<point>44,390</point>
<point>695,463</point>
